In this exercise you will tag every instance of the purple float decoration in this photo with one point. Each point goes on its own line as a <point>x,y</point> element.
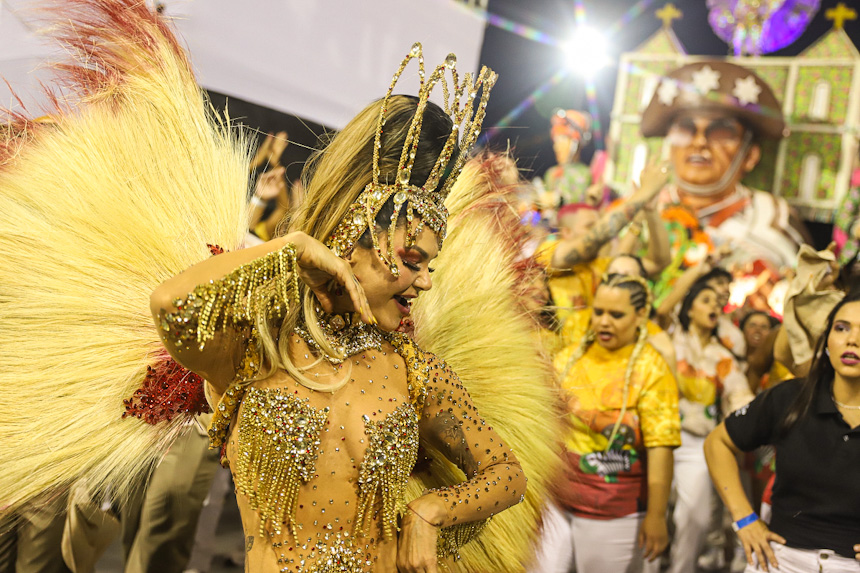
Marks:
<point>755,27</point>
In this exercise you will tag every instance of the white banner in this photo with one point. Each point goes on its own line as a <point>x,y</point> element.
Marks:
<point>322,60</point>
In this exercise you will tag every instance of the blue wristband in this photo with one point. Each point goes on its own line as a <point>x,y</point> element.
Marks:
<point>741,523</point>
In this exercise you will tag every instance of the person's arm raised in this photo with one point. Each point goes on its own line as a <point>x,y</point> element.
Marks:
<point>204,314</point>
<point>659,252</point>
<point>583,249</point>
<point>683,283</point>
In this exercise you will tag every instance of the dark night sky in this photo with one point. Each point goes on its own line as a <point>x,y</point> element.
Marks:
<point>525,64</point>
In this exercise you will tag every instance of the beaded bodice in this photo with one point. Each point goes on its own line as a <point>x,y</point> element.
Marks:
<point>322,474</point>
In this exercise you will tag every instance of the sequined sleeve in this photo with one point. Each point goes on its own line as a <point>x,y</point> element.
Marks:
<point>451,424</point>
<point>265,285</point>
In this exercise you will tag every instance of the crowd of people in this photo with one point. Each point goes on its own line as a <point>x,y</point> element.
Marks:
<point>702,402</point>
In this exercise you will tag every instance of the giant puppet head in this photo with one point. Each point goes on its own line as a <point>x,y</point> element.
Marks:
<point>713,114</point>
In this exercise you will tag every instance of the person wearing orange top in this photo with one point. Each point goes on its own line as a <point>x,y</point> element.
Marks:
<point>710,382</point>
<point>623,406</point>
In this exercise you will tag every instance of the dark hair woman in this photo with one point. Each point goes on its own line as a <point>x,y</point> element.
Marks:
<point>622,401</point>
<point>814,424</point>
<point>711,384</point>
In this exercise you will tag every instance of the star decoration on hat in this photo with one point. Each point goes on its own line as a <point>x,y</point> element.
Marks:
<point>746,90</point>
<point>667,92</point>
<point>706,80</point>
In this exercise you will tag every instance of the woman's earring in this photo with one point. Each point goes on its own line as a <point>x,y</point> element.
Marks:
<point>827,351</point>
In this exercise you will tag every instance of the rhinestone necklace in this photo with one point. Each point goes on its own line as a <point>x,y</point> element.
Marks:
<point>346,333</point>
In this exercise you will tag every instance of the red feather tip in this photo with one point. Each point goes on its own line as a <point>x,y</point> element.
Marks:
<point>106,41</point>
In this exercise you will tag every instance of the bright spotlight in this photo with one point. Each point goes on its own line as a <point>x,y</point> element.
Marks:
<point>586,51</point>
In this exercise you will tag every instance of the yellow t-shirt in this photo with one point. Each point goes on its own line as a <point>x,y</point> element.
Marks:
<point>606,481</point>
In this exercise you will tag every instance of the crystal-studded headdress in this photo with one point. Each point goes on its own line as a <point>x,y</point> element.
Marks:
<point>427,201</point>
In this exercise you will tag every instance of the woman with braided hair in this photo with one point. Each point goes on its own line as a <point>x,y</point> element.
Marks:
<point>623,404</point>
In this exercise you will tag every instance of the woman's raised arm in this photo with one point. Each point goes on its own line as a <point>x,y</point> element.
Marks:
<point>205,314</point>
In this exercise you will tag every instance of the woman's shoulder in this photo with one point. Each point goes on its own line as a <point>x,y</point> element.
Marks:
<point>787,389</point>
<point>775,400</point>
<point>423,368</point>
<point>650,353</point>
<point>651,358</point>
<point>412,353</point>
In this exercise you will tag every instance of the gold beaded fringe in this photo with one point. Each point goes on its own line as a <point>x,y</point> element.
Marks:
<point>264,286</point>
<point>278,446</point>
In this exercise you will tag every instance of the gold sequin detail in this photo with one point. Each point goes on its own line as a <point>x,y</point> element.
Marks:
<point>219,427</point>
<point>388,461</point>
<point>417,369</point>
<point>452,538</point>
<point>265,285</point>
<point>278,448</point>
<point>338,554</point>
<point>346,333</point>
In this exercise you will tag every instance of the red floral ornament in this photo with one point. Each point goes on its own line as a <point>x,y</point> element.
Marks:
<point>169,389</point>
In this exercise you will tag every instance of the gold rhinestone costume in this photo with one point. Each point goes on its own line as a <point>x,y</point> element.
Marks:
<point>171,178</point>
<point>322,475</point>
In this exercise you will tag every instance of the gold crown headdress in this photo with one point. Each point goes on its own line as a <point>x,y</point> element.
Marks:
<point>426,201</point>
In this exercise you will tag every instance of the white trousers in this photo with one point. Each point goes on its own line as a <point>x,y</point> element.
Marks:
<point>591,545</point>
<point>793,560</point>
<point>694,496</point>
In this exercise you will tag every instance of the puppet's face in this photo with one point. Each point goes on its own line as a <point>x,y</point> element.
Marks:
<point>704,146</point>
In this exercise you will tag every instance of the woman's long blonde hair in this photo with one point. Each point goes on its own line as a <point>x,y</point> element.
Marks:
<point>334,177</point>
<point>640,297</point>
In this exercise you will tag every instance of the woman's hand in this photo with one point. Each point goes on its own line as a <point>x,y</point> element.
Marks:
<point>325,274</point>
<point>756,538</point>
<point>416,544</point>
<point>653,536</point>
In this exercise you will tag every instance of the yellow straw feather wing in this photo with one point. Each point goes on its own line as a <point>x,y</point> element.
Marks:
<point>110,196</point>
<point>472,319</point>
